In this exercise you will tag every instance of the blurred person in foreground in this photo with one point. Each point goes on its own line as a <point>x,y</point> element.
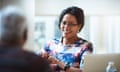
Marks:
<point>67,53</point>
<point>13,34</point>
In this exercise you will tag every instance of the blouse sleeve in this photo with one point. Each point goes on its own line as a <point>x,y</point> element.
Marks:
<point>88,48</point>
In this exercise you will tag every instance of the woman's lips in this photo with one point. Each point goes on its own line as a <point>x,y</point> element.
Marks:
<point>67,32</point>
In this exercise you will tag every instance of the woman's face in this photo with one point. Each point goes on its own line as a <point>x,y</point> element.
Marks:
<point>69,26</point>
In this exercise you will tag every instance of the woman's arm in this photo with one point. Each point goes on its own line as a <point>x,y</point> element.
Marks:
<point>73,69</point>
<point>62,65</point>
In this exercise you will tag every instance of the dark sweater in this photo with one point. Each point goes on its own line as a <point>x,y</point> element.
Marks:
<point>15,59</point>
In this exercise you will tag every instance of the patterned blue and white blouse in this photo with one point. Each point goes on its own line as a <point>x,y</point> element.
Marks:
<point>69,54</point>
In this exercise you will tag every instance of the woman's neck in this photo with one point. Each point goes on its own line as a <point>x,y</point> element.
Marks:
<point>66,41</point>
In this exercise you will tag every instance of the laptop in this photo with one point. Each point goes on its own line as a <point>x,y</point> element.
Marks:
<point>99,62</point>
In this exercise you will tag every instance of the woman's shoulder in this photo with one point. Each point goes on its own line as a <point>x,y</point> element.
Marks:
<point>54,41</point>
<point>84,41</point>
<point>86,44</point>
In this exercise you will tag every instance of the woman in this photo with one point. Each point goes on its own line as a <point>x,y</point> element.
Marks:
<point>67,53</point>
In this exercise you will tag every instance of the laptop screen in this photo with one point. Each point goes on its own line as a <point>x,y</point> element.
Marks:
<point>99,62</point>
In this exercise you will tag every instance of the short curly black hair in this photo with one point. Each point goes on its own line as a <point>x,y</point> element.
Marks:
<point>73,10</point>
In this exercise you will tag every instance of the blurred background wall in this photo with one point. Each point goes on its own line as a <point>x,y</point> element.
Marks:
<point>91,7</point>
<point>101,20</point>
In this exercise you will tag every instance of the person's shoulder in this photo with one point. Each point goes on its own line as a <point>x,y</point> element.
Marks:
<point>84,41</point>
<point>54,41</point>
<point>26,54</point>
<point>36,63</point>
<point>32,56</point>
<point>86,44</point>
<point>57,40</point>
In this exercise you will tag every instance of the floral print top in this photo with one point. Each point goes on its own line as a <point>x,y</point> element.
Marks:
<point>69,54</point>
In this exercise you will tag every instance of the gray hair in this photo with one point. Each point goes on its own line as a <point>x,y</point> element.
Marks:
<point>12,24</point>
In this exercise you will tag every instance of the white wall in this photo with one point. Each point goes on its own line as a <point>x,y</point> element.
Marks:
<point>28,8</point>
<point>91,7</point>
<point>54,7</point>
<point>97,13</point>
